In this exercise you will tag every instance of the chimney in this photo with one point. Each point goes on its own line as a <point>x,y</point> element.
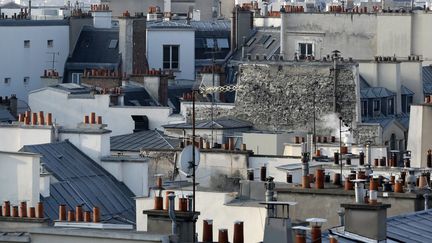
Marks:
<point>374,216</point>
<point>13,105</point>
<point>102,16</point>
<point>223,236</point>
<point>238,232</point>
<point>316,224</point>
<point>207,230</point>
<point>39,210</point>
<point>234,29</point>
<point>78,213</point>
<point>62,212</point>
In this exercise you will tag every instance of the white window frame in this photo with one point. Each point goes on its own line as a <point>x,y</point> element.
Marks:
<point>171,57</point>
<point>27,43</point>
<point>76,78</point>
<point>7,81</point>
<point>50,45</point>
<point>305,42</point>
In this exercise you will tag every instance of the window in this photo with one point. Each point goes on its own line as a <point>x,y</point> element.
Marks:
<point>376,107</point>
<point>364,107</point>
<point>170,57</point>
<point>27,44</point>
<point>409,102</point>
<point>305,50</point>
<point>390,106</point>
<point>50,43</point>
<point>113,44</point>
<point>76,78</point>
<point>7,81</point>
<point>26,80</point>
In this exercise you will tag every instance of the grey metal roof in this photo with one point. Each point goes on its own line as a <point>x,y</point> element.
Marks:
<point>386,121</point>
<point>151,139</point>
<point>376,92</point>
<point>27,22</point>
<point>93,46</point>
<point>5,115</point>
<point>168,25</point>
<point>11,5</point>
<point>406,91</point>
<point>80,180</point>
<point>221,123</point>
<point>413,227</point>
<point>218,25</point>
<point>262,42</point>
<point>363,83</point>
<point>427,80</point>
<point>71,88</point>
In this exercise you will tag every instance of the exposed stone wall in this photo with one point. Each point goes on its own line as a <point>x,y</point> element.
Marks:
<point>366,133</point>
<point>102,82</point>
<point>281,96</point>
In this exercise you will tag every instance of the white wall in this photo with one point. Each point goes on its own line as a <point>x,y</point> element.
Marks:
<point>18,62</point>
<point>185,38</point>
<point>102,19</point>
<point>20,181</point>
<point>18,136</point>
<point>211,205</point>
<point>95,146</point>
<point>70,112</point>
<point>133,174</point>
<point>420,134</point>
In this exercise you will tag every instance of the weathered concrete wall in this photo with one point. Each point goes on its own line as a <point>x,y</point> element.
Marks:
<point>368,132</point>
<point>275,96</point>
<point>102,82</point>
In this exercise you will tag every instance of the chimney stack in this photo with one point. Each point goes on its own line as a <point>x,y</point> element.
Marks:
<point>62,212</point>
<point>316,224</point>
<point>223,236</point>
<point>238,232</point>
<point>207,230</point>
<point>374,216</point>
<point>39,210</point>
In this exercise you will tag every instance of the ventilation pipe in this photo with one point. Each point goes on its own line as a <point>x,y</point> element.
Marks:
<point>359,190</point>
<point>341,214</point>
<point>238,232</point>
<point>426,201</point>
<point>171,213</point>
<point>223,236</point>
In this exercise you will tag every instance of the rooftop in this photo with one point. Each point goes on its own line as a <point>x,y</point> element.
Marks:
<point>221,123</point>
<point>81,181</point>
<point>413,227</point>
<point>96,46</point>
<point>27,22</point>
<point>151,139</point>
<point>262,42</point>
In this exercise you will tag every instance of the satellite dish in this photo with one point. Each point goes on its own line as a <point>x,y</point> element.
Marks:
<point>186,159</point>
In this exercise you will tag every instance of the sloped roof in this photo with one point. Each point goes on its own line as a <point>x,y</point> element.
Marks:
<point>262,42</point>
<point>427,79</point>
<point>12,5</point>
<point>151,139</point>
<point>168,25</point>
<point>93,46</point>
<point>406,91</point>
<point>413,227</point>
<point>221,123</point>
<point>363,83</point>
<point>80,180</point>
<point>376,92</point>
<point>5,115</point>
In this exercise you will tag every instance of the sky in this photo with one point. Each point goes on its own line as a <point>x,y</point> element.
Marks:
<point>48,2</point>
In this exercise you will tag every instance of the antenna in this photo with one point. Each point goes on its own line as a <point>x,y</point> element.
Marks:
<point>186,160</point>
<point>53,60</point>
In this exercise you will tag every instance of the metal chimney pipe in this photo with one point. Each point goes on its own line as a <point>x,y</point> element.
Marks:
<point>359,192</point>
<point>62,212</point>
<point>426,201</point>
<point>40,210</point>
<point>23,210</point>
<point>171,213</point>
<point>341,214</point>
<point>223,236</point>
<point>190,202</point>
<point>32,212</point>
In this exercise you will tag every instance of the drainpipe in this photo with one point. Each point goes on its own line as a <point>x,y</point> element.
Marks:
<point>171,213</point>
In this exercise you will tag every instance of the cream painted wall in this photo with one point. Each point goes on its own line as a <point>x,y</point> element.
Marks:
<point>22,180</point>
<point>420,134</point>
<point>185,38</point>
<point>15,137</point>
<point>133,174</point>
<point>19,62</point>
<point>95,146</point>
<point>212,205</point>
<point>70,111</point>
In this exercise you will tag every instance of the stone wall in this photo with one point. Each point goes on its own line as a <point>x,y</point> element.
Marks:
<point>281,95</point>
<point>368,132</point>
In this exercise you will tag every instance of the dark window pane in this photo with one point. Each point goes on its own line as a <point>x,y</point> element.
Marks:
<point>166,54</point>
<point>303,49</point>
<point>309,49</point>
<point>174,65</point>
<point>175,54</point>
